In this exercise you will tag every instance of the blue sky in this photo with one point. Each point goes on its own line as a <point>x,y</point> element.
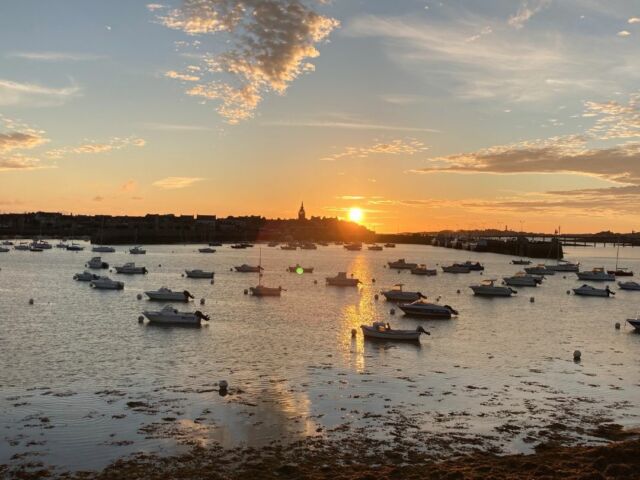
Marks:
<point>425,114</point>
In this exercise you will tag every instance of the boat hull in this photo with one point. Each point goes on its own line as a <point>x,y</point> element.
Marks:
<point>433,314</point>
<point>192,274</point>
<point>167,297</point>
<point>392,335</point>
<point>491,291</point>
<point>180,319</point>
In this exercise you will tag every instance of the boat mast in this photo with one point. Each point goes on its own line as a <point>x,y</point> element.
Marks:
<point>617,255</point>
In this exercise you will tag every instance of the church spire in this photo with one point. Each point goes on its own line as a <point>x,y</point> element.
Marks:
<point>301,213</point>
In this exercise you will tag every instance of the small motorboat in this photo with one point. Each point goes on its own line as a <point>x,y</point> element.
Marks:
<point>207,250</point>
<point>383,331</point>
<point>564,266</point>
<point>354,247</point>
<point>308,246</point>
<point>137,251</point>
<point>247,245</point>
<point>423,270</point>
<point>215,244</point>
<point>629,285</point>
<point>34,249</point>
<point>4,249</point>
<point>473,266</point>
<point>389,245</point>
<point>197,273</point>
<point>539,269</point>
<point>103,249</point>
<point>635,323</point>
<point>522,279</point>
<point>62,245</point>
<point>621,272</point>
<point>341,280</point>
<point>521,261</point>
<point>167,295</point>
<point>85,276</point>
<point>96,263</point>
<point>262,291</point>
<point>323,244</point>
<point>272,244</point>
<point>424,309</point>
<point>456,268</point>
<point>244,268</point>
<point>374,248</point>
<point>105,283</point>
<point>239,246</point>
<point>7,243</point>
<point>488,289</point>
<point>299,269</point>
<point>41,244</point>
<point>288,246</point>
<point>170,316</point>
<point>589,291</point>
<point>131,269</point>
<point>397,294</point>
<point>596,275</point>
<point>74,247</point>
<point>22,246</point>
<point>401,264</point>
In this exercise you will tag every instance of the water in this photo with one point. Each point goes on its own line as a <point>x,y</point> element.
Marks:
<point>500,376</point>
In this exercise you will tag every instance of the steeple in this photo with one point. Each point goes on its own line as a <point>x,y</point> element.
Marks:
<point>301,213</point>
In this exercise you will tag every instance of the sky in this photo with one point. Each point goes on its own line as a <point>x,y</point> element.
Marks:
<point>426,115</point>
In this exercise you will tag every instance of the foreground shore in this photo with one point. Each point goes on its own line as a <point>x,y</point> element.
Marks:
<point>361,459</point>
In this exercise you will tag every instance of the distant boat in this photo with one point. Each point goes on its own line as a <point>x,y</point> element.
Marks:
<point>21,246</point>
<point>488,289</point>
<point>207,250</point>
<point>323,244</point>
<point>589,291</point>
<point>170,316</point>
<point>473,266</point>
<point>382,331</point>
<point>167,295</point>
<point>620,271</point>
<point>215,244</point>
<point>522,279</point>
<point>456,268</point>
<point>564,266</point>
<point>96,263</point>
<point>401,264</point>
<point>105,283</point>
<point>397,294</point>
<point>298,269</point>
<point>354,247</point>
<point>137,251</point>
<point>308,246</point>
<point>341,280</point>
<point>7,242</point>
<point>197,273</point>
<point>596,275</point>
<point>41,244</point>
<point>375,248</point>
<point>423,270</point>
<point>131,269</point>
<point>539,269</point>
<point>103,249</point>
<point>35,249</point>
<point>424,309</point>
<point>239,246</point>
<point>629,285</point>
<point>289,246</point>
<point>61,245</point>
<point>4,249</point>
<point>85,276</point>
<point>390,245</point>
<point>74,247</point>
<point>521,262</point>
<point>272,244</point>
<point>244,268</point>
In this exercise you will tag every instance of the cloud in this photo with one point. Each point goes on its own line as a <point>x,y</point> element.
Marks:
<point>268,46</point>
<point>173,183</point>
<point>30,94</point>
<point>115,143</point>
<point>56,56</point>
<point>402,99</point>
<point>615,120</point>
<point>129,186</point>
<point>153,7</point>
<point>396,147</point>
<point>98,198</point>
<point>351,125</point>
<point>623,33</point>
<point>181,76</point>
<point>633,20</point>
<point>174,127</point>
<point>527,10</point>
<point>15,141</point>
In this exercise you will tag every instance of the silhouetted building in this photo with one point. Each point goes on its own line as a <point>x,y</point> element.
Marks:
<point>302,215</point>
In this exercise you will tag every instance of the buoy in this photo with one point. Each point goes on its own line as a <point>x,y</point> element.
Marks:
<point>246,292</point>
<point>182,274</point>
<point>532,299</point>
<point>373,280</point>
<point>352,275</point>
<point>458,291</point>
<point>481,273</point>
<point>568,292</point>
<point>223,384</point>
<point>392,311</point>
<point>211,282</point>
<point>576,355</point>
<point>564,277</point>
<point>31,301</point>
<point>315,282</point>
<point>202,301</point>
<point>140,319</point>
<point>231,269</point>
<point>617,325</point>
<point>354,332</point>
<point>139,296</point>
<point>160,265</point>
<point>376,296</point>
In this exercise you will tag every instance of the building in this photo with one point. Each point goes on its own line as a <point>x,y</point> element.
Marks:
<point>302,215</point>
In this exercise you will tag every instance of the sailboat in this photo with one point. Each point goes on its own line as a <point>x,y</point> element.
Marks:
<point>620,271</point>
<point>262,291</point>
<point>562,265</point>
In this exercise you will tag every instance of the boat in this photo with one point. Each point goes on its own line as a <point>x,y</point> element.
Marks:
<point>397,294</point>
<point>131,269</point>
<point>215,244</point>
<point>7,243</point>
<point>272,244</point>
<point>341,280</point>
<point>522,279</point>
<point>105,283</point>
<point>247,245</point>
<point>62,245</point>
<point>382,331</point>
<point>41,244</point>
<point>34,249</point>
<point>197,273</point>
<point>521,261</point>
<point>244,268</point>
<point>456,268</point>
<point>620,271</point>
<point>635,323</point>
<point>85,276</point>
<point>564,266</point>
<point>401,264</point>
<point>74,247</point>
<point>167,295</point>
<point>262,291</point>
<point>354,247</point>
<point>289,246</point>
<point>424,309</point>
<point>170,316</point>
<point>4,249</point>
<point>96,263</point>
<point>488,289</point>
<point>423,270</point>
<point>539,269</point>
<point>207,250</point>
<point>473,266</point>
<point>308,246</point>
<point>21,246</point>
<point>389,245</point>
<point>323,244</point>
<point>374,248</point>
<point>137,251</point>
<point>629,285</point>
<point>299,269</point>
<point>589,291</point>
<point>596,275</point>
<point>238,246</point>
<point>103,249</point>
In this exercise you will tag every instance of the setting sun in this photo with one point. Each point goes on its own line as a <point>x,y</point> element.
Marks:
<point>355,214</point>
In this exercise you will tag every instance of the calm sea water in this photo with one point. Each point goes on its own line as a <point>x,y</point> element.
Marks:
<point>500,375</point>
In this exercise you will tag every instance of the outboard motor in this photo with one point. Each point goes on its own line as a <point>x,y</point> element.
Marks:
<point>421,295</point>
<point>422,330</point>
<point>452,310</point>
<point>187,294</point>
<point>201,315</point>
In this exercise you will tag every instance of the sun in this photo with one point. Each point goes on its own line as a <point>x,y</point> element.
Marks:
<point>356,214</point>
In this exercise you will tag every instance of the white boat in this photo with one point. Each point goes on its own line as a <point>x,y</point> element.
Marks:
<point>422,308</point>
<point>341,280</point>
<point>170,316</point>
<point>34,249</point>
<point>41,244</point>
<point>456,268</point>
<point>105,283</point>
<point>564,266</point>
<point>522,279</point>
<point>207,250</point>
<point>289,246</point>
<point>629,285</point>
<point>401,264</point>
<point>7,242</point>
<point>130,268</point>
<point>423,270</point>
<point>308,246</point>
<point>103,249</point>
<point>539,269</point>
<point>262,291</point>
<point>74,247</point>
<point>383,331</point>
<point>589,291</point>
<point>197,273</point>
<point>4,249</point>
<point>167,295</point>
<point>85,276</point>
<point>61,245</point>
<point>397,294</point>
<point>596,275</point>
<point>244,268</point>
<point>488,289</point>
<point>137,251</point>
<point>96,263</point>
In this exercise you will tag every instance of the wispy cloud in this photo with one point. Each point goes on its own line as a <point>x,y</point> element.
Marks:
<point>402,99</point>
<point>527,10</point>
<point>15,141</point>
<point>129,186</point>
<point>56,56</point>
<point>352,125</point>
<point>269,45</point>
<point>30,94</point>
<point>173,127</point>
<point>115,143</point>
<point>633,20</point>
<point>403,147</point>
<point>173,183</point>
<point>624,33</point>
<point>185,77</point>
